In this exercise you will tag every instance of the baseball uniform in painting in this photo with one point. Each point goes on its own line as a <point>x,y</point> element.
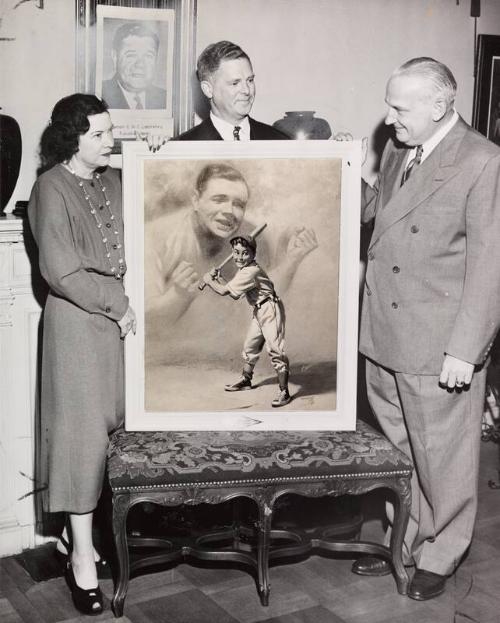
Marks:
<point>268,320</point>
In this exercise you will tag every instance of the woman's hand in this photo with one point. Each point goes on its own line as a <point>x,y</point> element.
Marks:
<point>155,140</point>
<point>128,322</point>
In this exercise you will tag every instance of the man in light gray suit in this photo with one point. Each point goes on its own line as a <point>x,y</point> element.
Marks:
<point>431,310</point>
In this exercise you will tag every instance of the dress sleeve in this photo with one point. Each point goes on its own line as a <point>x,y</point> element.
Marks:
<point>60,264</point>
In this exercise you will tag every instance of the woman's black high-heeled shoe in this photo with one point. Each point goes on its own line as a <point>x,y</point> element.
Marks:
<point>62,557</point>
<point>86,601</point>
<point>103,570</point>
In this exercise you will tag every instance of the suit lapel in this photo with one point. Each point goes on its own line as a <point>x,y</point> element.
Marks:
<point>435,171</point>
<point>253,130</point>
<point>117,95</point>
<point>211,132</point>
<point>393,170</point>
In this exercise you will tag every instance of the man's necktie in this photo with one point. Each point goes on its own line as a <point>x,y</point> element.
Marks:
<point>414,162</point>
<point>236,132</point>
<point>138,102</point>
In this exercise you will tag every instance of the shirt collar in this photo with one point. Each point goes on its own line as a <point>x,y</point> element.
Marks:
<point>436,138</point>
<point>431,143</point>
<point>226,129</point>
<point>131,98</point>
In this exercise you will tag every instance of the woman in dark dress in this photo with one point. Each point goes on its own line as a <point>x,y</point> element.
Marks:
<point>76,217</point>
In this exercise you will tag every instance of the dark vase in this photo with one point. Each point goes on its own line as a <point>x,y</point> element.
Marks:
<point>302,124</point>
<point>10,158</point>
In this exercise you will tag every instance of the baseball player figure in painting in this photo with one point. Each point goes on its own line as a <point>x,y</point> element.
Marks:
<point>268,320</point>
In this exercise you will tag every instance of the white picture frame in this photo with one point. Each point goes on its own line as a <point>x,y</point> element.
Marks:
<point>175,371</point>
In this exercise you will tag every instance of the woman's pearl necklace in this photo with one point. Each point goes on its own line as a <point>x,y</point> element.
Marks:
<point>119,270</point>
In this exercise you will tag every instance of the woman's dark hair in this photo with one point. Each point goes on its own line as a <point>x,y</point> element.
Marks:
<point>68,121</point>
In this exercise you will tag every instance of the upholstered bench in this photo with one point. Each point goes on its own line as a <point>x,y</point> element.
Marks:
<point>174,468</point>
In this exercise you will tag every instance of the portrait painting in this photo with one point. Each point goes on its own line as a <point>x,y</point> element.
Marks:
<point>486,115</point>
<point>134,69</point>
<point>494,107</point>
<point>186,210</point>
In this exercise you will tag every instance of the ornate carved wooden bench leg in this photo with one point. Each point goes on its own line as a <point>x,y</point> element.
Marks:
<point>401,516</point>
<point>263,545</point>
<point>236,523</point>
<point>121,505</point>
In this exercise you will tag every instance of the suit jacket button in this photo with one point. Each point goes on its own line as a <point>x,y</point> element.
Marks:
<point>108,310</point>
<point>394,305</point>
<point>371,255</point>
<point>395,269</point>
<point>414,229</point>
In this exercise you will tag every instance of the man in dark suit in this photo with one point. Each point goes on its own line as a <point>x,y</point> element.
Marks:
<point>227,80</point>
<point>134,54</point>
<point>431,310</point>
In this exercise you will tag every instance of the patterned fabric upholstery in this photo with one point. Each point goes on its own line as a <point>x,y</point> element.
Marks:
<point>171,459</point>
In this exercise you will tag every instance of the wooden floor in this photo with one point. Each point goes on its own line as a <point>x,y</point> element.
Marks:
<point>317,590</point>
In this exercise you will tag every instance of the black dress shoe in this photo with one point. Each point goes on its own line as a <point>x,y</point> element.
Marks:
<point>370,565</point>
<point>86,601</point>
<point>426,585</point>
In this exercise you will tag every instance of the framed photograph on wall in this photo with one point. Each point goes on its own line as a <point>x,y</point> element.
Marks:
<point>182,206</point>
<point>134,68</point>
<point>138,55</point>
<point>486,115</point>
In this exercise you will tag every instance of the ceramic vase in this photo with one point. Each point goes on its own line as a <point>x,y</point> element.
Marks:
<point>10,158</point>
<point>302,124</point>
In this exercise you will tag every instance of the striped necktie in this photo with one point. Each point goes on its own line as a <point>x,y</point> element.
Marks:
<point>414,162</point>
<point>138,102</point>
<point>236,132</point>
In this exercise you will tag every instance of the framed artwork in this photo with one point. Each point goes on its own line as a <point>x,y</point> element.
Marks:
<point>486,114</point>
<point>182,207</point>
<point>138,55</point>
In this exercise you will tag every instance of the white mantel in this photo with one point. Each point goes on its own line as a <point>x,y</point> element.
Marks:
<point>19,325</point>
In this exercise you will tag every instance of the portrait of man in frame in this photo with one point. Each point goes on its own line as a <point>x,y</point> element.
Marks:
<point>494,108</point>
<point>134,69</point>
<point>137,67</point>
